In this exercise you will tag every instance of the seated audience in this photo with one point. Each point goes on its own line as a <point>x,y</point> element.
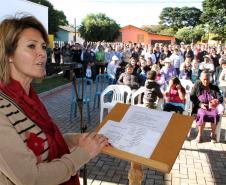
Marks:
<point>206,97</point>
<point>129,78</point>
<point>175,96</point>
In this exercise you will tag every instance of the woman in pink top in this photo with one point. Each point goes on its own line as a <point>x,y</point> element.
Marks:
<point>175,96</point>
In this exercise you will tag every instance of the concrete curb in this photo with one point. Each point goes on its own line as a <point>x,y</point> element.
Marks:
<point>53,91</point>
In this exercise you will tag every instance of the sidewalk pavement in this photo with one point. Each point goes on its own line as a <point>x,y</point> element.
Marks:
<point>202,164</point>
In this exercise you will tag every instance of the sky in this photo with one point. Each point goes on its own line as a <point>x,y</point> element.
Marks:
<point>124,12</point>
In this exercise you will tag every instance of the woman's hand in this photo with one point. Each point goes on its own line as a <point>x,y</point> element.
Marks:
<point>93,143</point>
<point>178,87</point>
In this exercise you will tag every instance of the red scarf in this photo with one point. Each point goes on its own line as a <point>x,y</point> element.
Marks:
<point>35,110</point>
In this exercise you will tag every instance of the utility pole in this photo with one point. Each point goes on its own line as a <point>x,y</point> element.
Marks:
<point>75,31</point>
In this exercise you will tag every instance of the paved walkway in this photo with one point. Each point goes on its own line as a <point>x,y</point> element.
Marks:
<point>203,163</point>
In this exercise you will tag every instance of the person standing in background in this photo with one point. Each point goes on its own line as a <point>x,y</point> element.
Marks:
<point>57,53</point>
<point>100,60</point>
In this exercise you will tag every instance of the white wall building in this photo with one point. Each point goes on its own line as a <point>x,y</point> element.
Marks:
<point>12,7</point>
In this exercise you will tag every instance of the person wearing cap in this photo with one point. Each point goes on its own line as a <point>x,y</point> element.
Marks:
<point>112,66</point>
<point>167,71</point>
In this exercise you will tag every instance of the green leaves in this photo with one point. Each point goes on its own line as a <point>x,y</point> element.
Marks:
<point>98,27</point>
<point>214,14</point>
<point>177,18</point>
<point>56,17</point>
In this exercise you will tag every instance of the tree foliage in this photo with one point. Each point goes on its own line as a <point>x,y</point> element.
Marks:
<point>55,17</point>
<point>168,31</point>
<point>98,27</point>
<point>184,34</point>
<point>189,34</point>
<point>177,18</point>
<point>152,28</point>
<point>198,33</point>
<point>214,14</point>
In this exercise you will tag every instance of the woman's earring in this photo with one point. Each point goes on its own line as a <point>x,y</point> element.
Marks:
<point>10,60</point>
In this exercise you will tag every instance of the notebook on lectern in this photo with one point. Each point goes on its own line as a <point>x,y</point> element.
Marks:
<point>149,137</point>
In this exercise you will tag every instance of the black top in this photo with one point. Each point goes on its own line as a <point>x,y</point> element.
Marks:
<point>152,91</point>
<point>197,90</point>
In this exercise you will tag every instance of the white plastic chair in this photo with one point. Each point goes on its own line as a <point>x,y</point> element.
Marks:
<point>187,84</point>
<point>126,91</point>
<point>188,104</point>
<point>218,129</point>
<point>111,95</point>
<point>139,92</point>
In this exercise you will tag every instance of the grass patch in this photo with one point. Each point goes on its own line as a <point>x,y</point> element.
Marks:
<point>50,83</point>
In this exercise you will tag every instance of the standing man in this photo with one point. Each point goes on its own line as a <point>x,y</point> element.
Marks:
<point>57,53</point>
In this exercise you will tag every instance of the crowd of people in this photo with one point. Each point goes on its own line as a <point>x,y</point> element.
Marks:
<point>160,69</point>
<point>183,61</point>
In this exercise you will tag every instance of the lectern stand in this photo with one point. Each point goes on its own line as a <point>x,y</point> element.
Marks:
<point>164,154</point>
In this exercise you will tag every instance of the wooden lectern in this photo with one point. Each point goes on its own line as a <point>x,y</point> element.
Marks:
<point>166,151</point>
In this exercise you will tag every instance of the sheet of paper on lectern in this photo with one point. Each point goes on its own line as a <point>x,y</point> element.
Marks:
<point>138,132</point>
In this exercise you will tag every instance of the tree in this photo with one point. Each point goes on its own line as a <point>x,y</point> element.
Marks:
<point>55,17</point>
<point>214,14</point>
<point>170,17</point>
<point>177,18</point>
<point>98,27</point>
<point>152,28</point>
<point>198,33</point>
<point>168,31</point>
<point>185,34</point>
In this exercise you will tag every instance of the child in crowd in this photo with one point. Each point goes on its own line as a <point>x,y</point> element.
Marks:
<point>152,90</point>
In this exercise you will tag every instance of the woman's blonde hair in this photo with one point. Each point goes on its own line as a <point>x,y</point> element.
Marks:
<point>10,30</point>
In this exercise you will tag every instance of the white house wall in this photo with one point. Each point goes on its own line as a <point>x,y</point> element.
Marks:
<point>12,7</point>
